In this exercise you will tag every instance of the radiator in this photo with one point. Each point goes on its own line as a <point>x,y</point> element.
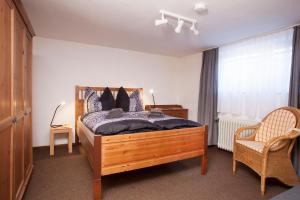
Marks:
<point>227,128</point>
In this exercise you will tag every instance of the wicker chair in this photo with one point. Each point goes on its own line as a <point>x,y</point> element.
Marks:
<point>268,149</point>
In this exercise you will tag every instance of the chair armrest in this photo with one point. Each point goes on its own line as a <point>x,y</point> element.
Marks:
<point>294,133</point>
<point>269,146</point>
<point>238,132</point>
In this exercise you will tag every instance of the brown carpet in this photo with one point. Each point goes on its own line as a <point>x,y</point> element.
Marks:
<point>70,177</point>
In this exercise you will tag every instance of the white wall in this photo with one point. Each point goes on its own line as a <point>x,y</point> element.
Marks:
<point>189,83</point>
<point>60,65</point>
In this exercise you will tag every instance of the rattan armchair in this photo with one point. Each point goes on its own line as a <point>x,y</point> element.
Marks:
<point>268,149</point>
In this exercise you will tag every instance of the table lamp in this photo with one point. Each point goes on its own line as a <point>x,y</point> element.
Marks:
<point>152,93</point>
<point>59,125</point>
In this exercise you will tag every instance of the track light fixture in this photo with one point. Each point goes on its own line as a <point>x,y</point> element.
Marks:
<point>180,21</point>
<point>179,26</point>
<point>161,21</point>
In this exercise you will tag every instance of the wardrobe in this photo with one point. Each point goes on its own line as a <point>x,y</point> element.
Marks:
<point>15,99</point>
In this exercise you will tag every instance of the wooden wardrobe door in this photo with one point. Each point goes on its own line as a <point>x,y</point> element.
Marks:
<point>27,104</point>
<point>5,100</point>
<point>18,97</point>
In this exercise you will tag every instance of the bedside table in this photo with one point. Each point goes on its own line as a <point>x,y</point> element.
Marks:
<point>171,110</point>
<point>63,129</point>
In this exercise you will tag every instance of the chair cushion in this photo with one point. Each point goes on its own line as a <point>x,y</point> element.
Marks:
<point>257,146</point>
<point>276,124</point>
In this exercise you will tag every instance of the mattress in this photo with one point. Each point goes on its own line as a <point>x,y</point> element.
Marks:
<point>132,122</point>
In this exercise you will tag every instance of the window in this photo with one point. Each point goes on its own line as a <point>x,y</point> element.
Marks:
<point>254,75</point>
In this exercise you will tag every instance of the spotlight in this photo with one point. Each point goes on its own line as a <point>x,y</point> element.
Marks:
<point>193,28</point>
<point>179,26</point>
<point>161,21</point>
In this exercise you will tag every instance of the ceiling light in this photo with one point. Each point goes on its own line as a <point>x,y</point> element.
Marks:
<point>200,7</point>
<point>179,26</point>
<point>161,21</point>
<point>166,16</point>
<point>193,28</point>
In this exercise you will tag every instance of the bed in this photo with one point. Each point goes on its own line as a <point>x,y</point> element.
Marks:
<point>110,154</point>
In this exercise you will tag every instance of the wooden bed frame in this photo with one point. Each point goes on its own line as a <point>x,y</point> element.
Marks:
<point>125,152</point>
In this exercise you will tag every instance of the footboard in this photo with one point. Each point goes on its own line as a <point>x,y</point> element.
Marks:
<point>121,153</point>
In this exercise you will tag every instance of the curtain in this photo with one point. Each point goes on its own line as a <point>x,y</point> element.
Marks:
<point>207,107</point>
<point>294,98</point>
<point>254,75</point>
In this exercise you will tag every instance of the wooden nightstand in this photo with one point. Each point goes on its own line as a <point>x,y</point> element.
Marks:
<point>172,110</point>
<point>63,129</point>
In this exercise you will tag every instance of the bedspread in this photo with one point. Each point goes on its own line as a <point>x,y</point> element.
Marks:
<point>132,122</point>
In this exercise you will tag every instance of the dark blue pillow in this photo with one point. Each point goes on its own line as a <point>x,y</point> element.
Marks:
<point>122,100</point>
<point>107,100</point>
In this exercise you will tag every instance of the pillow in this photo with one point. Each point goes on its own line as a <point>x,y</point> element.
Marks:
<point>122,100</point>
<point>107,100</point>
<point>135,102</point>
<point>114,113</point>
<point>87,93</point>
<point>92,101</point>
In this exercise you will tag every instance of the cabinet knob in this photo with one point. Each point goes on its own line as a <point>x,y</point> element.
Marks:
<point>14,120</point>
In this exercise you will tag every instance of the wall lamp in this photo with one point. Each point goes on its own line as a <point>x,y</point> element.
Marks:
<point>180,21</point>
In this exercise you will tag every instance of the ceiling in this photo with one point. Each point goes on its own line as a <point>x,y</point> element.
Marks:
<point>129,24</point>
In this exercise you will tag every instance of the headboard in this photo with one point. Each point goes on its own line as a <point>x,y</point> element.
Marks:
<point>79,97</point>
